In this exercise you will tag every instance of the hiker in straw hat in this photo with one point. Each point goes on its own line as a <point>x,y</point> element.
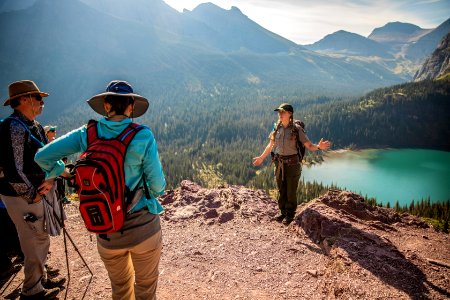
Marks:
<point>24,185</point>
<point>131,255</point>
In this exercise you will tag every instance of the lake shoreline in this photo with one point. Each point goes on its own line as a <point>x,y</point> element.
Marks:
<point>388,175</point>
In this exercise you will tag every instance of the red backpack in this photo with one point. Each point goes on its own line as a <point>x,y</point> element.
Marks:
<point>100,179</point>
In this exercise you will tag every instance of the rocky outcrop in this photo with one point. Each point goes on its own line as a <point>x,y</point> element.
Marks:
<point>349,231</point>
<point>438,63</point>
<point>344,216</point>
<point>337,213</point>
<point>218,205</point>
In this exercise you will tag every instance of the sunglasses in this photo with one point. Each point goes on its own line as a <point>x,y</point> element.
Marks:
<point>52,130</point>
<point>37,97</point>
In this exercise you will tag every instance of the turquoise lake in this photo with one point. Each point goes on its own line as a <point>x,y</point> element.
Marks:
<point>387,175</point>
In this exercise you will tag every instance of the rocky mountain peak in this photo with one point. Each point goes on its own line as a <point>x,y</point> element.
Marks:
<point>396,27</point>
<point>438,64</point>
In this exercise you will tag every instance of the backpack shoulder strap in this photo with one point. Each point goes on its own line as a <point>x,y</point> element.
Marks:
<point>276,127</point>
<point>299,125</point>
<point>92,133</point>
<point>129,133</point>
<point>27,129</point>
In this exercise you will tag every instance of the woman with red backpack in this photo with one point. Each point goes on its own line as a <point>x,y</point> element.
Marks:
<point>129,238</point>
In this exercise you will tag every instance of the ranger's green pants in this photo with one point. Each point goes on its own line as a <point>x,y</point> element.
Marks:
<point>287,182</point>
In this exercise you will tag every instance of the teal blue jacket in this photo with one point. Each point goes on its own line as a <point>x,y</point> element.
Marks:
<point>142,157</point>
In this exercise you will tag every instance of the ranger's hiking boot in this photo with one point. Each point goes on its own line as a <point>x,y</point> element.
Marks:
<point>288,220</point>
<point>279,218</point>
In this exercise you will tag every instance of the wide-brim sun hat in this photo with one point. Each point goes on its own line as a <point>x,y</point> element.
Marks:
<point>22,88</point>
<point>122,89</point>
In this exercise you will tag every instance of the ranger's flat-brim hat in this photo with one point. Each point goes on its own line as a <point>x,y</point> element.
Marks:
<point>122,89</point>
<point>22,88</point>
<point>285,107</point>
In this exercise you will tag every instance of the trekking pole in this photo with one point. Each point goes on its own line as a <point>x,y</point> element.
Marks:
<point>67,263</point>
<point>66,234</point>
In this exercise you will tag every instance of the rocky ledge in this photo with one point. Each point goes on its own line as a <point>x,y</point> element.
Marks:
<point>218,205</point>
<point>364,251</point>
<point>222,243</point>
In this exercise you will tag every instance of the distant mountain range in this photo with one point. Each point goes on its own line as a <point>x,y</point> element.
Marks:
<point>403,41</point>
<point>72,48</point>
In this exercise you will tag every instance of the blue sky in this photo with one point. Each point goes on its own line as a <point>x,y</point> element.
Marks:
<point>307,21</point>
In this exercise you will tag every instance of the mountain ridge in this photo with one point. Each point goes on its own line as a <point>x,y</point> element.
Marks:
<point>427,43</point>
<point>237,31</point>
<point>351,44</point>
<point>395,32</point>
<point>438,64</point>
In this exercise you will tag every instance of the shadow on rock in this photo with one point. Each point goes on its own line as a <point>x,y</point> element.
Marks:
<point>340,222</point>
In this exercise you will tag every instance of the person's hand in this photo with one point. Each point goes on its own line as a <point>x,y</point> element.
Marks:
<point>37,198</point>
<point>46,186</point>
<point>257,161</point>
<point>324,145</point>
<point>66,174</point>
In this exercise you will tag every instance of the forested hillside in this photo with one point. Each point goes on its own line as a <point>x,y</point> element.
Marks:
<point>410,115</point>
<point>211,137</point>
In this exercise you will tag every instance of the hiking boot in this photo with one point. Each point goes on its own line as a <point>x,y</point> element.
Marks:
<point>279,218</point>
<point>288,220</point>
<point>54,282</point>
<point>52,272</point>
<point>43,295</point>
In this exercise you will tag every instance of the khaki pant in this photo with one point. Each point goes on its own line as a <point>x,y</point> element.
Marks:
<point>133,271</point>
<point>33,238</point>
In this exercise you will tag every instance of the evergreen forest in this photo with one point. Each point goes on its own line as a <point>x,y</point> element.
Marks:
<point>210,136</point>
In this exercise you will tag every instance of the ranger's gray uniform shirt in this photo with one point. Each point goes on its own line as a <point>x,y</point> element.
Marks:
<point>285,143</point>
